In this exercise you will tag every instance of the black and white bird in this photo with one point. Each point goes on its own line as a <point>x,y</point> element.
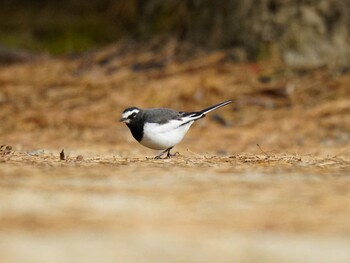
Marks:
<point>161,128</point>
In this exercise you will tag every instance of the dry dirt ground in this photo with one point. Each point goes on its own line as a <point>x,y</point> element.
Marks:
<point>264,180</point>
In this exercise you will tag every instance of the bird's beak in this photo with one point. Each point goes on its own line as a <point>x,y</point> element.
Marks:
<point>125,120</point>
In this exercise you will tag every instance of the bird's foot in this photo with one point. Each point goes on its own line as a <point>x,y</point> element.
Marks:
<point>168,154</point>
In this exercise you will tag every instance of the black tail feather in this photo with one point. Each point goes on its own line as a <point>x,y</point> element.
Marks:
<point>202,113</point>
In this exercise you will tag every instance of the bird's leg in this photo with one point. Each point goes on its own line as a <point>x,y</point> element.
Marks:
<point>171,155</point>
<point>163,152</point>
<point>168,154</point>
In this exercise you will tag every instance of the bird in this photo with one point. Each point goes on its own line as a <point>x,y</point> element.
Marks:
<point>162,128</point>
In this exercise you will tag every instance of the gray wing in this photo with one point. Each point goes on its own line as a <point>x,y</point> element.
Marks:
<point>161,115</point>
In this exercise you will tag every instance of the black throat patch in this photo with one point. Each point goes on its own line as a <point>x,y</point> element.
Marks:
<point>136,128</point>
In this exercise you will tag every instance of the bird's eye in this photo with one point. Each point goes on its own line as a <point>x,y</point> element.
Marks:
<point>132,116</point>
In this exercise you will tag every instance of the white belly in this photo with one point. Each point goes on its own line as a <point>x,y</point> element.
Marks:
<point>163,136</point>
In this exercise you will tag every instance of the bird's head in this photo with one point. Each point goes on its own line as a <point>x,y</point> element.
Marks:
<point>130,114</point>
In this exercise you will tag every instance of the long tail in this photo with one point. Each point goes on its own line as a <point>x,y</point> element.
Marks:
<point>192,116</point>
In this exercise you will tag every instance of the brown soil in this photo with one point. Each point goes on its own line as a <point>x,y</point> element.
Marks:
<point>263,180</point>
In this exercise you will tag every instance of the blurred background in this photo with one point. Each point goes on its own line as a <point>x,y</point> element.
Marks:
<point>265,179</point>
<point>303,32</point>
<point>70,67</point>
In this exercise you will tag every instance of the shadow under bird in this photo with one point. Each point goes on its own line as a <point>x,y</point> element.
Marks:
<point>161,128</point>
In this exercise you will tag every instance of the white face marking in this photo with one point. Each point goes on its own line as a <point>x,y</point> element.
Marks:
<point>127,114</point>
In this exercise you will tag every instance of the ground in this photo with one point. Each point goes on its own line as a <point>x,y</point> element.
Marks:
<point>263,180</point>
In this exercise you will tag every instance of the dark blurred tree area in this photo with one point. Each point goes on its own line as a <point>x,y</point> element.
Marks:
<point>302,32</point>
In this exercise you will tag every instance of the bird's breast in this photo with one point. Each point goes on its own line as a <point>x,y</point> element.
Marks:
<point>162,136</point>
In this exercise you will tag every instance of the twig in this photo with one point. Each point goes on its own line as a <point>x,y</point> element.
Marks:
<point>262,150</point>
<point>198,155</point>
<point>342,152</point>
